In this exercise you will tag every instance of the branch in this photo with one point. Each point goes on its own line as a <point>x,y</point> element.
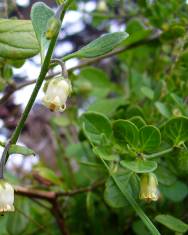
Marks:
<point>81,190</point>
<point>33,193</point>
<point>50,196</point>
<point>13,89</point>
<point>56,212</point>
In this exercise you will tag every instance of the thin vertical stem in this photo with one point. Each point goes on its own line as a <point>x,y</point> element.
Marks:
<point>44,70</point>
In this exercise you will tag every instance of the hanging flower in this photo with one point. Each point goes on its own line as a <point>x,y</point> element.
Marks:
<point>57,91</point>
<point>149,187</point>
<point>6,197</point>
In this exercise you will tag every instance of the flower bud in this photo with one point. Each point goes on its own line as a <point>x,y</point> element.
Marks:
<point>56,93</point>
<point>6,197</point>
<point>149,187</point>
<point>53,27</point>
<point>102,6</point>
<point>176,112</point>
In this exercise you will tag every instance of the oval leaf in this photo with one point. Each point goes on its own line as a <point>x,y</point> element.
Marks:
<point>102,45</point>
<point>125,132</point>
<point>150,138</point>
<point>175,192</point>
<point>48,174</point>
<point>96,126</point>
<point>140,166</point>
<point>17,39</point>
<point>172,223</point>
<point>106,106</point>
<point>40,14</point>
<point>176,130</point>
<point>165,176</point>
<point>105,153</point>
<point>17,149</point>
<point>16,218</point>
<point>138,121</point>
<point>112,194</point>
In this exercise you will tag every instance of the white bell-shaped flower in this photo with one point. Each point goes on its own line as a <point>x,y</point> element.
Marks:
<point>57,91</point>
<point>149,187</point>
<point>6,197</point>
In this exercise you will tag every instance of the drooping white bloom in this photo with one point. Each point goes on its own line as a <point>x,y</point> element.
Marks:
<point>149,187</point>
<point>6,197</point>
<point>56,93</point>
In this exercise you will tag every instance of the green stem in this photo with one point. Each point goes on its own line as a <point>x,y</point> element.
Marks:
<point>133,203</point>
<point>44,70</point>
<point>38,85</point>
<point>70,56</point>
<point>159,154</point>
<point>3,159</point>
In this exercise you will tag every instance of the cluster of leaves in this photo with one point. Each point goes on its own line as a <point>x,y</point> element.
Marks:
<point>134,121</point>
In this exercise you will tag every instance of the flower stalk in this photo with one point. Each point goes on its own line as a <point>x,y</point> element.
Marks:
<point>42,75</point>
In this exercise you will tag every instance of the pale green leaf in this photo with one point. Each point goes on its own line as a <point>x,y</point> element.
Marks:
<point>17,39</point>
<point>102,45</point>
<point>139,166</point>
<point>40,14</point>
<point>17,149</point>
<point>172,223</point>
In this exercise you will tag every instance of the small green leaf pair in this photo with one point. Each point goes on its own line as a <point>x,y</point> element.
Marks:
<point>147,139</point>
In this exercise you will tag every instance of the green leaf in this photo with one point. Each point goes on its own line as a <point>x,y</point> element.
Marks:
<point>137,31</point>
<point>125,132</point>
<point>96,79</point>
<point>134,110</point>
<point>182,162</point>
<point>136,206</point>
<point>17,218</point>
<point>17,149</point>
<point>48,174</point>
<point>176,130</point>
<point>165,176</point>
<point>163,109</point>
<point>102,45</point>
<point>79,150</point>
<point>175,192</point>
<point>106,106</point>
<point>139,228</point>
<point>112,194</point>
<point>96,126</point>
<point>138,121</point>
<point>105,153</point>
<point>172,223</point>
<point>61,121</point>
<point>17,39</point>
<point>150,138</point>
<point>40,14</point>
<point>132,202</point>
<point>139,166</point>
<point>148,92</point>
